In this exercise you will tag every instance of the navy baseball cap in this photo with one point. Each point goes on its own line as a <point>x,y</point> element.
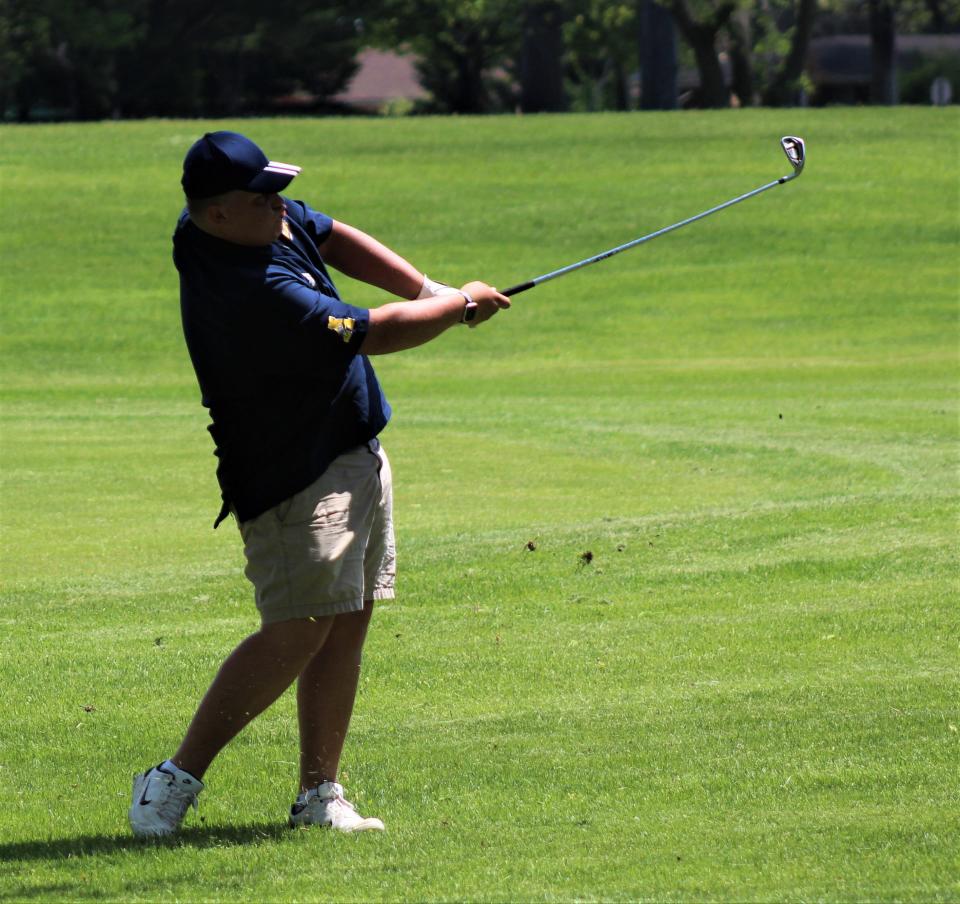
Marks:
<point>227,161</point>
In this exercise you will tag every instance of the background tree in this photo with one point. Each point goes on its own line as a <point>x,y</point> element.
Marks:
<point>600,52</point>
<point>883,52</point>
<point>220,58</point>
<point>700,23</point>
<point>63,53</point>
<point>883,20</point>
<point>791,26</point>
<point>470,50</point>
<point>541,57</point>
<point>462,48</point>
<point>24,38</point>
<point>85,59</point>
<point>658,57</point>
<point>740,52</point>
<point>95,58</point>
<point>941,12</point>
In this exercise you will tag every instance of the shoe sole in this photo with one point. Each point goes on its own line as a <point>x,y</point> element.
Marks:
<point>366,825</point>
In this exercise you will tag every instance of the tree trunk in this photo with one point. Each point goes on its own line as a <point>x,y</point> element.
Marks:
<point>938,20</point>
<point>621,93</point>
<point>883,52</point>
<point>702,37</point>
<point>68,72</point>
<point>784,90</point>
<point>741,48</point>
<point>658,57</point>
<point>469,96</point>
<point>713,87</point>
<point>541,58</point>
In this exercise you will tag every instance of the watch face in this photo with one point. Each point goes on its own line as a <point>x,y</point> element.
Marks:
<point>470,312</point>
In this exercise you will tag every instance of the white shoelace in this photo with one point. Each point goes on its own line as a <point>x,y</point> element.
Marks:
<point>172,802</point>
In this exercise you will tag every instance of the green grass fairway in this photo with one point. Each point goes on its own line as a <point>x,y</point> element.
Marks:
<point>750,692</point>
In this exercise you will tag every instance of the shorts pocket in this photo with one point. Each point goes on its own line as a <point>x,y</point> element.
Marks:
<point>332,512</point>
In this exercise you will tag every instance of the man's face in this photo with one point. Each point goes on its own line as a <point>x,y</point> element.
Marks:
<point>247,218</point>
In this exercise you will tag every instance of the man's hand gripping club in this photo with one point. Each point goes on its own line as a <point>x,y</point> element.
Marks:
<point>407,324</point>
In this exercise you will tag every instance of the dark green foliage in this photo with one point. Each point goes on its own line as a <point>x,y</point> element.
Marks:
<point>94,59</point>
<point>100,58</point>
<point>460,45</point>
<point>915,83</point>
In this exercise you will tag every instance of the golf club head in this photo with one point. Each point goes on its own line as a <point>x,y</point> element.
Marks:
<point>796,152</point>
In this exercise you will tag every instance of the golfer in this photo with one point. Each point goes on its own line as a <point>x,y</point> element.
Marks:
<point>296,408</point>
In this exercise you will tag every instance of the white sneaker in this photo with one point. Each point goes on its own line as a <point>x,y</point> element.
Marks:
<point>161,799</point>
<point>325,805</point>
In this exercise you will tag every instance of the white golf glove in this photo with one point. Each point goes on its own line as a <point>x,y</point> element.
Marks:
<point>431,289</point>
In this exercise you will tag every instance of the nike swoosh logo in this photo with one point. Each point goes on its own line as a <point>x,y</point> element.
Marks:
<point>143,797</point>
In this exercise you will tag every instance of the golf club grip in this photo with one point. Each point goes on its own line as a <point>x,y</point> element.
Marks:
<point>517,289</point>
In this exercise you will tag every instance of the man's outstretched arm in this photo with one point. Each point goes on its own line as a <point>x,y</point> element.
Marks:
<point>361,256</point>
<point>402,325</point>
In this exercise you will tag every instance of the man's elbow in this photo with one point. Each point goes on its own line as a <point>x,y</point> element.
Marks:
<point>375,343</point>
<point>379,337</point>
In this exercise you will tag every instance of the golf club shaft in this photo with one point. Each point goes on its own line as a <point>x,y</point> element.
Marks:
<point>522,287</point>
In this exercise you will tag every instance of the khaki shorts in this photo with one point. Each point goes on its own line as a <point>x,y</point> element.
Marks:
<point>329,547</point>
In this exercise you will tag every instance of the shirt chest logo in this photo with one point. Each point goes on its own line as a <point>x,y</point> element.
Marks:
<point>310,280</point>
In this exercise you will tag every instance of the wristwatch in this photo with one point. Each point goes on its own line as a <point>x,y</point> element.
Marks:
<point>470,308</point>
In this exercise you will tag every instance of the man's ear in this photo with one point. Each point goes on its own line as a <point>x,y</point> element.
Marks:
<point>216,213</point>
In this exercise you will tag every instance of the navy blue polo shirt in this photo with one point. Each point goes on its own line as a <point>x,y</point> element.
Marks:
<point>276,355</point>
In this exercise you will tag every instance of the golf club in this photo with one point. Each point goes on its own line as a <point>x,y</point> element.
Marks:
<point>792,146</point>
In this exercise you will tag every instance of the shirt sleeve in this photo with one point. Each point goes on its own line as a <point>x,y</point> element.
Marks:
<point>317,225</point>
<point>316,324</point>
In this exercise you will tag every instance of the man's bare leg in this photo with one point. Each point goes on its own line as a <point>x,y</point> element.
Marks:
<point>255,674</point>
<point>325,695</point>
